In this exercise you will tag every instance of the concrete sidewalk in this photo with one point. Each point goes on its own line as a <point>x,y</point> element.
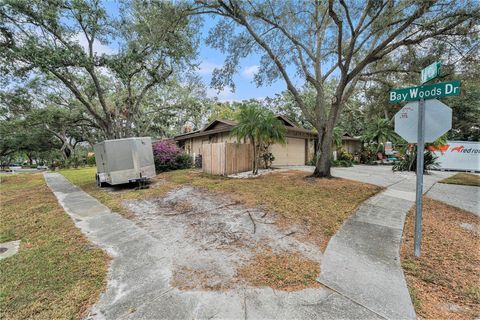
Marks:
<point>362,260</point>
<point>463,197</point>
<point>139,287</point>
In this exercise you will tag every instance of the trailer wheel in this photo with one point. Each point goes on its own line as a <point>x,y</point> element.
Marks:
<point>99,184</point>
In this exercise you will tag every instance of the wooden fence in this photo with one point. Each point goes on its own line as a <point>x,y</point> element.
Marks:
<point>226,158</point>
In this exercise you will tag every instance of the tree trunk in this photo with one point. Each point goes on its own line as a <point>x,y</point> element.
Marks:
<point>254,169</point>
<point>323,164</point>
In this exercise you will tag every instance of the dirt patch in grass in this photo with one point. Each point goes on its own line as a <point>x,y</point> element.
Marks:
<point>318,207</point>
<point>215,237</point>
<point>187,278</point>
<point>466,179</point>
<point>280,271</point>
<point>444,281</point>
<point>57,273</point>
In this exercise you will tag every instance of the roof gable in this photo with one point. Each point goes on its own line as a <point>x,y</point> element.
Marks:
<point>218,124</point>
<point>287,122</point>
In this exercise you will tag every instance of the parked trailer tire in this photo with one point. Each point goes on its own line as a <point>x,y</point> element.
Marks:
<point>99,184</point>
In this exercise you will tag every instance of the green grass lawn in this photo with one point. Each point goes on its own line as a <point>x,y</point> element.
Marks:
<point>462,178</point>
<point>321,205</point>
<point>57,273</point>
<point>85,179</point>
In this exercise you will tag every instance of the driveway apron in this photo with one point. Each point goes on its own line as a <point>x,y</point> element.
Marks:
<point>362,259</point>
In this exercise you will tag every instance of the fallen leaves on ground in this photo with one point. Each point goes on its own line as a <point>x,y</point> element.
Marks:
<point>444,281</point>
<point>280,271</point>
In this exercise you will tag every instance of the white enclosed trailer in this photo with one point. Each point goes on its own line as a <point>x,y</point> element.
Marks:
<point>124,160</point>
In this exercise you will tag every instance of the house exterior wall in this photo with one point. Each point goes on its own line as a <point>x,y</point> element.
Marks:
<point>352,146</point>
<point>295,152</point>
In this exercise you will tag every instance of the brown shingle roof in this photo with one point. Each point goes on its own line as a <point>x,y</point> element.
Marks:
<point>230,124</point>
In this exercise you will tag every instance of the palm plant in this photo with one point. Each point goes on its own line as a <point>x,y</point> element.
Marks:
<point>379,131</point>
<point>259,126</point>
<point>337,137</point>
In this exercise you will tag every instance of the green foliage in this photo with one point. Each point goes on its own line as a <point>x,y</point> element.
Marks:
<point>337,137</point>
<point>154,39</point>
<point>343,154</point>
<point>91,161</point>
<point>369,154</point>
<point>466,107</point>
<point>379,131</point>
<point>260,126</point>
<point>409,162</point>
<point>342,163</point>
<point>268,159</point>
<point>224,110</point>
<point>180,161</point>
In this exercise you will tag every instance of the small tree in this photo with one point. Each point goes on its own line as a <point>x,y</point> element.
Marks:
<point>379,131</point>
<point>260,127</point>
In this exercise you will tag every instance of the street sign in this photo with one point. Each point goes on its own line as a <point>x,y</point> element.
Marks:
<point>431,91</point>
<point>431,72</point>
<point>422,121</point>
<point>438,120</point>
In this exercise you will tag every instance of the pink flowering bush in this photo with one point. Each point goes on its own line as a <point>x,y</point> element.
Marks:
<point>168,156</point>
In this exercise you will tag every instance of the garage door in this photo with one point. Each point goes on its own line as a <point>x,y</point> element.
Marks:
<point>291,153</point>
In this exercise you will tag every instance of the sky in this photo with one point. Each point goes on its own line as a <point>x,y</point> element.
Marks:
<point>209,59</point>
<point>245,88</point>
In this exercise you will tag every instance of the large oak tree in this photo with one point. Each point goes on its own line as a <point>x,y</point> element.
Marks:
<point>149,42</point>
<point>311,42</point>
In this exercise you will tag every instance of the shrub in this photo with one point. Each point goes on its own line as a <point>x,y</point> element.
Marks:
<point>342,163</point>
<point>409,162</point>
<point>368,155</point>
<point>268,159</point>
<point>168,156</point>
<point>344,155</point>
<point>91,161</point>
<point>183,161</point>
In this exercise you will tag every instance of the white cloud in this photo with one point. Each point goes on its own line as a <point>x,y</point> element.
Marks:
<point>98,48</point>
<point>222,95</point>
<point>249,72</point>
<point>206,67</point>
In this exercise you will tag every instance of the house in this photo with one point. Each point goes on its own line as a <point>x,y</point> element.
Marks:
<point>300,146</point>
<point>351,144</point>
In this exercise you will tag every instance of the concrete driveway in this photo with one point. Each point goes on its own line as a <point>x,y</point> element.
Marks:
<point>463,197</point>
<point>378,175</point>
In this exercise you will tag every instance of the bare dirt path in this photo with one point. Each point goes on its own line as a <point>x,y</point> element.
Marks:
<point>163,245</point>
